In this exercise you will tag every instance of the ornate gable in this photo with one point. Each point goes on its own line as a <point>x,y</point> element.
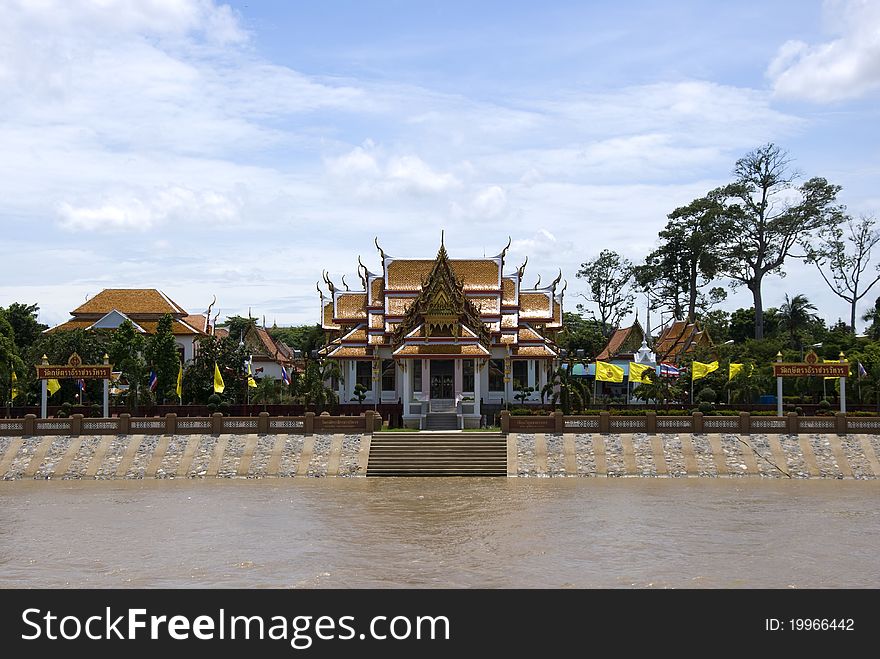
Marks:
<point>441,307</point>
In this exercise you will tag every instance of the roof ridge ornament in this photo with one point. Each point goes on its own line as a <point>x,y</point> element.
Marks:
<point>521,270</point>
<point>504,251</point>
<point>320,292</point>
<point>556,281</point>
<point>329,283</point>
<point>537,283</point>
<point>344,284</point>
<point>382,254</point>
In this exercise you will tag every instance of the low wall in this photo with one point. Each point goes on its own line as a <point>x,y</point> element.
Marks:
<point>652,423</point>
<point>171,424</point>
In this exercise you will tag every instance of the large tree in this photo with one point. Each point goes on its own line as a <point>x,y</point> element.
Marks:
<point>768,215</point>
<point>842,259</point>
<point>691,254</point>
<point>608,278</point>
<point>579,333</point>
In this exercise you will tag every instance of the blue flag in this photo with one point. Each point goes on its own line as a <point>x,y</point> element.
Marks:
<point>285,378</point>
<point>154,380</point>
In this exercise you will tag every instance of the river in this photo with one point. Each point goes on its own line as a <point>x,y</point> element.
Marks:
<point>389,533</point>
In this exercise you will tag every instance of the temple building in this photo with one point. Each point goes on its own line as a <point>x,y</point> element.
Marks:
<point>143,307</point>
<point>448,338</point>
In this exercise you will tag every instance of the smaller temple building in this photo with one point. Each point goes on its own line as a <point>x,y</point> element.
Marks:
<point>143,307</point>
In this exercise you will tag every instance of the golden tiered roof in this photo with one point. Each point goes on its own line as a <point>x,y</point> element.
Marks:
<point>480,306</point>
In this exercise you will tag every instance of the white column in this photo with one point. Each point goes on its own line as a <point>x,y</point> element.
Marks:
<point>406,373</point>
<point>778,389</point>
<point>458,378</point>
<point>426,379</point>
<point>43,399</point>
<point>106,390</point>
<point>842,387</point>
<point>478,374</point>
<point>542,375</point>
<point>343,378</point>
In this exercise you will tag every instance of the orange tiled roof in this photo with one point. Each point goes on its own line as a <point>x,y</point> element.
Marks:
<point>221,332</point>
<point>198,321</point>
<point>678,339</point>
<point>130,301</point>
<point>149,326</point>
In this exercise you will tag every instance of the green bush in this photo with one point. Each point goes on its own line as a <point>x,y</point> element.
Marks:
<point>799,411</point>
<point>96,411</point>
<point>707,395</point>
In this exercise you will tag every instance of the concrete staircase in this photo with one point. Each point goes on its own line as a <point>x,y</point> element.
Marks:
<point>437,454</point>
<point>441,421</point>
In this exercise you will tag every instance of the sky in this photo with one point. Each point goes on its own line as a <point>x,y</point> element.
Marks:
<point>238,150</point>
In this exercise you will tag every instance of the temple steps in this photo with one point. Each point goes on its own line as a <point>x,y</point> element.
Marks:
<point>438,454</point>
<point>441,421</point>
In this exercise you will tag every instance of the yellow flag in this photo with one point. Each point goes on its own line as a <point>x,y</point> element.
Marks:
<point>638,372</point>
<point>832,361</point>
<point>14,385</point>
<point>606,372</point>
<point>251,381</point>
<point>701,370</point>
<point>734,370</point>
<point>53,386</point>
<point>179,389</point>
<point>218,380</point>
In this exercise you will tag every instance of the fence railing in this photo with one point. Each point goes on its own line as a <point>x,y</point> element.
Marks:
<point>652,423</point>
<point>171,424</point>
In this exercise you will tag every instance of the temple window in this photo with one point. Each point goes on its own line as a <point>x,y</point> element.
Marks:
<point>520,374</point>
<point>496,375</point>
<point>389,381</point>
<point>467,375</point>
<point>364,374</point>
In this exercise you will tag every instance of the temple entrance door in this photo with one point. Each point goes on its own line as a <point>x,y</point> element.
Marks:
<point>442,378</point>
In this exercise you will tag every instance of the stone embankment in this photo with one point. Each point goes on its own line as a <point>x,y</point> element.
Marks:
<point>529,455</point>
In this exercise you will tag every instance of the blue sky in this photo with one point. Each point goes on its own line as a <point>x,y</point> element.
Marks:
<point>238,149</point>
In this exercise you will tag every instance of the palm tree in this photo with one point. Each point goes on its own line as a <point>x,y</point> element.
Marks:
<point>566,390</point>
<point>795,316</point>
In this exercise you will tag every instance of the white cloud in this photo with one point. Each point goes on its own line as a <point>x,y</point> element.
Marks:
<point>143,214</point>
<point>491,202</point>
<point>374,175</point>
<point>843,68</point>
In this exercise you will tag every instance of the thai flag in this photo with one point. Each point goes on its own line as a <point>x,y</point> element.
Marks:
<point>285,378</point>
<point>82,386</point>
<point>862,372</point>
<point>154,380</point>
<point>668,370</point>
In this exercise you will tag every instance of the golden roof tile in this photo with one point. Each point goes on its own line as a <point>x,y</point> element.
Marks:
<point>130,301</point>
<point>535,305</point>
<point>507,338</point>
<point>328,317</point>
<point>533,351</point>
<point>358,335</point>
<point>351,352</point>
<point>397,306</point>
<point>408,274</point>
<point>509,321</point>
<point>198,321</point>
<point>351,305</point>
<point>508,288</point>
<point>486,305</point>
<point>376,289</point>
<point>471,350</point>
<point>377,321</point>
<point>528,334</point>
<point>377,339</point>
